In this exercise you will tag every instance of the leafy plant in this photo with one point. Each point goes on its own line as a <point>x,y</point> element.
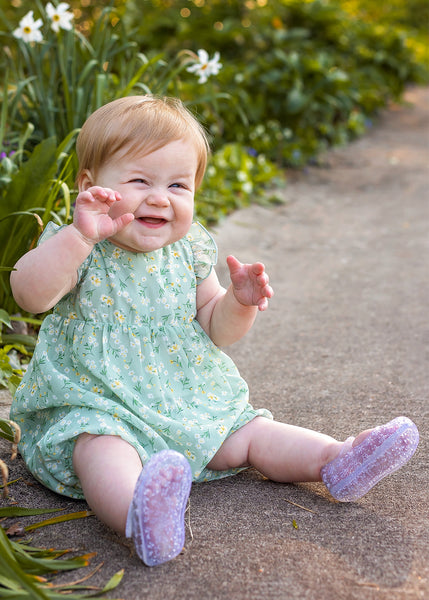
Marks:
<point>63,76</point>
<point>36,193</point>
<point>312,70</point>
<point>15,350</point>
<point>236,176</point>
<point>23,571</point>
<point>58,78</point>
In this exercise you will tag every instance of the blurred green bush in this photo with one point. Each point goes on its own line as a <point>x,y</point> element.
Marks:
<point>303,74</point>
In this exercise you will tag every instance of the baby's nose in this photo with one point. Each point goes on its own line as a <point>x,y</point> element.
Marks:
<point>158,198</point>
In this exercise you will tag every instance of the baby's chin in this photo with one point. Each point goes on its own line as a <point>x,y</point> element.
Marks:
<point>151,239</point>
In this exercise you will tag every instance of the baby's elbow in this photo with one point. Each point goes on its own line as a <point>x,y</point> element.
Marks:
<point>27,304</point>
<point>225,340</point>
<point>25,298</point>
<point>15,286</point>
<point>30,306</point>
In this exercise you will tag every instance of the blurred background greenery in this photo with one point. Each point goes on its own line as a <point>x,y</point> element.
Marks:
<point>297,77</point>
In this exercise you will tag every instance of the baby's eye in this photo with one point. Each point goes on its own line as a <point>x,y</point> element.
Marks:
<point>138,180</point>
<point>178,185</point>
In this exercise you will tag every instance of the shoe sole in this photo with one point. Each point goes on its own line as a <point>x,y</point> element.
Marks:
<point>385,450</point>
<point>156,517</point>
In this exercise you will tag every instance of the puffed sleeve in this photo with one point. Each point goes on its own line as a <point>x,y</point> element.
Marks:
<point>204,250</point>
<point>50,230</point>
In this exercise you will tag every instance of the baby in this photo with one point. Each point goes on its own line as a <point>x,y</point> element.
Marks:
<point>128,397</point>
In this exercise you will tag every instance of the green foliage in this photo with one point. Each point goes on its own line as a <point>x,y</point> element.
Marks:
<point>409,18</point>
<point>10,375</point>
<point>57,83</point>
<point>33,192</point>
<point>15,350</point>
<point>23,571</point>
<point>308,72</point>
<point>412,15</point>
<point>235,177</point>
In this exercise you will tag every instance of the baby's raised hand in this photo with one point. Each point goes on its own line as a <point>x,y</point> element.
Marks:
<point>249,283</point>
<point>91,216</point>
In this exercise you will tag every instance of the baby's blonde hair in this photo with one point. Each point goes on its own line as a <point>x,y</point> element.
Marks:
<point>141,124</point>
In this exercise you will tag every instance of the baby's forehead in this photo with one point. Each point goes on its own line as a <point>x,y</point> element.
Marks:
<point>137,150</point>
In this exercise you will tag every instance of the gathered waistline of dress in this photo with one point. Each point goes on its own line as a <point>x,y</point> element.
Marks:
<point>155,325</point>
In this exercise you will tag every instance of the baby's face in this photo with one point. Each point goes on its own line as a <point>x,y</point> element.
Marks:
<point>158,189</point>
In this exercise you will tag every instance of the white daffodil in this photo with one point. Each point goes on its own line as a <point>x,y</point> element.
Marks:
<point>204,67</point>
<point>60,17</point>
<point>28,29</point>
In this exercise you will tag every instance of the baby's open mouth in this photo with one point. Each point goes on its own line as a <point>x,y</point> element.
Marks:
<point>152,220</point>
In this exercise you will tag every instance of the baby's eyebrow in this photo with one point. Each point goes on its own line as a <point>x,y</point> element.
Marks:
<point>184,178</point>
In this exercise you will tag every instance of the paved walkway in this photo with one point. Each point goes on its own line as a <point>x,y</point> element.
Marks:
<point>344,346</point>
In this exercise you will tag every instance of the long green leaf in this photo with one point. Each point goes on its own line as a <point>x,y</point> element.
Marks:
<point>41,566</point>
<point>28,320</point>
<point>20,213</point>
<point>19,338</point>
<point>3,113</point>
<point>31,182</point>
<point>68,517</point>
<point>22,511</point>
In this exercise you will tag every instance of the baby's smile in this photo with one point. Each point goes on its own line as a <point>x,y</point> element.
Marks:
<point>152,221</point>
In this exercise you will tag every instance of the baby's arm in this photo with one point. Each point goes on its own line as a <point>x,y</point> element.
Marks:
<point>46,273</point>
<point>226,315</point>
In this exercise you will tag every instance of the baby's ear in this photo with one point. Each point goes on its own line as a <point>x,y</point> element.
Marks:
<point>85,180</point>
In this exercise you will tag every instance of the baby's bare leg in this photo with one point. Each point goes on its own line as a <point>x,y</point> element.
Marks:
<point>281,452</point>
<point>108,469</point>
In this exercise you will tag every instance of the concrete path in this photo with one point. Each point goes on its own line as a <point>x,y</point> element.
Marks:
<point>343,347</point>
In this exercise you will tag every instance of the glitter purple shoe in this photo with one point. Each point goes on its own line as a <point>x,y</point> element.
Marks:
<point>356,470</point>
<point>155,518</point>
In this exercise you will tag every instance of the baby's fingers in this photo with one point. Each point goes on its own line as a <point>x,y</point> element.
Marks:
<point>265,290</point>
<point>262,279</point>
<point>266,293</point>
<point>234,265</point>
<point>258,268</point>
<point>263,304</point>
<point>106,227</point>
<point>101,194</point>
<point>106,194</point>
<point>123,221</point>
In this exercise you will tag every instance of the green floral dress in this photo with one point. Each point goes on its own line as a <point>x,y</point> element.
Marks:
<point>123,354</point>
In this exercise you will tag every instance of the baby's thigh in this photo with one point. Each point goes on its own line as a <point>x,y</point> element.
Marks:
<point>234,452</point>
<point>81,447</point>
